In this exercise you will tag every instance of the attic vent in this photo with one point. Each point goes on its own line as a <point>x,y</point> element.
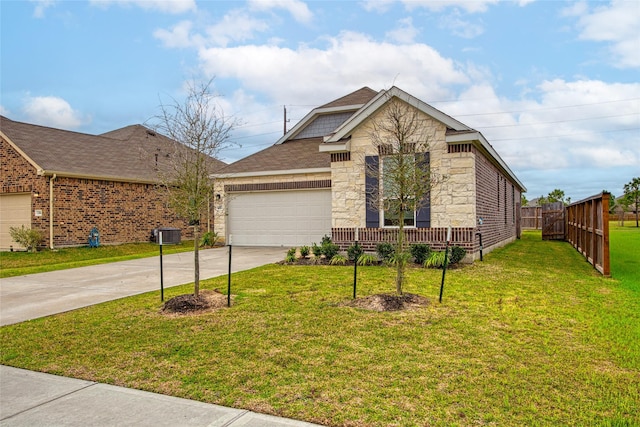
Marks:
<point>150,132</point>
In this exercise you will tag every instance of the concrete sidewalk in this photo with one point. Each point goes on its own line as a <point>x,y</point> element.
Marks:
<point>37,295</point>
<point>36,399</point>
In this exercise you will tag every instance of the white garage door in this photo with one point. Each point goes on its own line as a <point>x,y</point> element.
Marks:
<point>279,218</point>
<point>15,210</point>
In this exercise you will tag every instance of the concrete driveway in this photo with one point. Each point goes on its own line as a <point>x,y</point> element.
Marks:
<point>37,295</point>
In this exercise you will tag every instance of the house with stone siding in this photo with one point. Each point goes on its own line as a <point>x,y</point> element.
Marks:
<point>66,183</point>
<point>313,182</point>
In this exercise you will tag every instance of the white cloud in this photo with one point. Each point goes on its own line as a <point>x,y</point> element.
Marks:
<point>296,8</point>
<point>616,24</point>
<point>405,32</point>
<point>179,36</point>
<point>474,6</point>
<point>164,6</point>
<point>4,111</point>
<point>52,111</point>
<point>41,6</point>
<point>236,26</point>
<point>348,62</point>
<point>460,27</point>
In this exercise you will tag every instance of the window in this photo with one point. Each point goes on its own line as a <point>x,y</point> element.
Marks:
<point>397,167</point>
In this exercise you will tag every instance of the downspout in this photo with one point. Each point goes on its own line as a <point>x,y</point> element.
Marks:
<point>51,210</point>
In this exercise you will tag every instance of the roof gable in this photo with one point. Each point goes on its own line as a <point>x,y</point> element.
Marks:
<point>340,107</point>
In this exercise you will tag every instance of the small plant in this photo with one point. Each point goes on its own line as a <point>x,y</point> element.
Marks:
<point>354,251</point>
<point>338,259</point>
<point>210,238</point>
<point>385,251</point>
<point>304,251</point>
<point>326,248</point>
<point>367,259</point>
<point>330,250</point>
<point>420,252</point>
<point>27,237</point>
<point>317,250</point>
<point>434,260</point>
<point>396,258</point>
<point>456,254</point>
<point>291,255</point>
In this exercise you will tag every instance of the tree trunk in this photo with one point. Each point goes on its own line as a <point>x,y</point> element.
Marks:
<point>400,258</point>
<point>196,262</point>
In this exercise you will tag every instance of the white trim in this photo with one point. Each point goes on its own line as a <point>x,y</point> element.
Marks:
<point>478,139</point>
<point>382,98</point>
<point>267,173</point>
<point>335,147</point>
<point>312,115</point>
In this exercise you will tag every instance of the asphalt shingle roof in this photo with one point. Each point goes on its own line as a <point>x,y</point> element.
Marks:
<point>295,154</point>
<point>127,154</point>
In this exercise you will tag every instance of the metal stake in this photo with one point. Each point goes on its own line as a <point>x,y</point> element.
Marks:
<point>444,267</point>
<point>161,274</point>
<point>229,277</point>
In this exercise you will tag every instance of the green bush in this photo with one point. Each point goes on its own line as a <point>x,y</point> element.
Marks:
<point>317,250</point>
<point>354,251</point>
<point>420,252</point>
<point>326,248</point>
<point>456,254</point>
<point>304,251</point>
<point>27,237</point>
<point>291,255</point>
<point>385,251</point>
<point>210,238</point>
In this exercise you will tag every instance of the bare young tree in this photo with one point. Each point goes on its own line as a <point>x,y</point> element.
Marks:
<point>200,127</point>
<point>402,174</point>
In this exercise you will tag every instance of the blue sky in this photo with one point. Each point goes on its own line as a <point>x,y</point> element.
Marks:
<point>553,85</point>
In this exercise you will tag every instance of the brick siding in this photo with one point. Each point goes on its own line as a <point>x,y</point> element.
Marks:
<point>122,211</point>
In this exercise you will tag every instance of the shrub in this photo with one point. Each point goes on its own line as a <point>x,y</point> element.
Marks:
<point>326,248</point>
<point>385,251</point>
<point>367,259</point>
<point>330,250</point>
<point>434,260</point>
<point>420,252</point>
<point>354,251</point>
<point>317,250</point>
<point>27,237</point>
<point>398,257</point>
<point>291,255</point>
<point>304,251</point>
<point>210,238</point>
<point>456,254</point>
<point>338,260</point>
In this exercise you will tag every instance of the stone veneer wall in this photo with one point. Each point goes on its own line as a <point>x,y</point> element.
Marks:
<point>122,211</point>
<point>276,182</point>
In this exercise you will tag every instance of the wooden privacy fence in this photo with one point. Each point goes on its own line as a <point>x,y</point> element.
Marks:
<point>588,230</point>
<point>531,217</point>
<point>553,220</point>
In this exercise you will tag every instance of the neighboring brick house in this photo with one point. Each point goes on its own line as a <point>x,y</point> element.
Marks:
<point>313,182</point>
<point>108,181</point>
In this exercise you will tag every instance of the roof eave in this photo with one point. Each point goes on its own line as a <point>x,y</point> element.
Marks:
<point>76,175</point>
<point>19,150</point>
<point>480,141</point>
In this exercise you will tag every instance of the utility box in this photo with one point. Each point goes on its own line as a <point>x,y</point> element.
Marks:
<point>170,236</point>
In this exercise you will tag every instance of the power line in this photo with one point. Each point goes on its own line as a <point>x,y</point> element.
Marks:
<point>563,136</point>
<point>559,121</point>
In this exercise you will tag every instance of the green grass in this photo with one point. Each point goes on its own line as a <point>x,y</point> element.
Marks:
<point>531,336</point>
<point>21,263</point>
<point>624,248</point>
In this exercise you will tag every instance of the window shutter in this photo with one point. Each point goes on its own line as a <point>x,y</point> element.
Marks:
<point>371,190</point>
<point>423,216</point>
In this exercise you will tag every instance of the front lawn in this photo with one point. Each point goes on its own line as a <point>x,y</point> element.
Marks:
<point>531,336</point>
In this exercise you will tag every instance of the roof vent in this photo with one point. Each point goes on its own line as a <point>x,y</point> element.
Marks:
<point>150,132</point>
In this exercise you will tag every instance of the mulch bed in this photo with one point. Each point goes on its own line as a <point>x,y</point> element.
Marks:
<point>387,302</point>
<point>206,301</point>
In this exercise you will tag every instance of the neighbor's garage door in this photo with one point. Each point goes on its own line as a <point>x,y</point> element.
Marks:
<point>15,210</point>
<point>279,218</point>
